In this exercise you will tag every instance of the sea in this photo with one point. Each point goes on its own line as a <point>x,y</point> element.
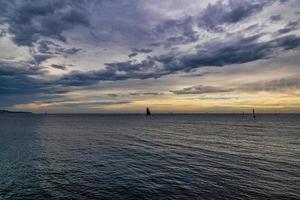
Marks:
<point>127,156</point>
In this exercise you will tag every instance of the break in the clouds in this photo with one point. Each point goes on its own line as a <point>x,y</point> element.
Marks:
<point>55,54</point>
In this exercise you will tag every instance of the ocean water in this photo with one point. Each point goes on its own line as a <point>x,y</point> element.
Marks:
<point>149,157</point>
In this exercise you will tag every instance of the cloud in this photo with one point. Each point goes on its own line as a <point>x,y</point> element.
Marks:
<point>232,12</point>
<point>176,31</point>
<point>19,78</point>
<point>277,85</point>
<point>39,58</point>
<point>132,55</point>
<point>62,67</point>
<point>142,50</point>
<point>15,80</point>
<point>71,51</point>
<point>275,17</point>
<point>96,104</point>
<point>173,38</point>
<point>201,90</point>
<point>217,98</point>
<point>30,20</point>
<point>234,51</point>
<point>137,51</point>
<point>288,28</point>
<point>273,85</point>
<point>2,33</point>
<point>146,94</point>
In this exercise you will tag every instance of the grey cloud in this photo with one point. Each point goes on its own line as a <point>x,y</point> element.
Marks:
<point>71,51</point>
<point>201,90</point>
<point>18,80</point>
<point>93,104</point>
<point>178,31</point>
<point>142,50</point>
<point>43,46</point>
<point>276,17</point>
<point>22,78</point>
<point>217,98</point>
<point>288,28</point>
<point>77,78</point>
<point>234,51</point>
<point>46,46</point>
<point>273,85</point>
<point>137,51</point>
<point>62,67</point>
<point>29,20</point>
<point>2,33</point>
<point>284,84</point>
<point>50,48</point>
<point>134,94</point>
<point>146,94</point>
<point>132,55</point>
<point>233,12</point>
<point>39,58</point>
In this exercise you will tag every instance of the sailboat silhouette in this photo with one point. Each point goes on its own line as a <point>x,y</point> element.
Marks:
<point>148,111</point>
<point>254,113</point>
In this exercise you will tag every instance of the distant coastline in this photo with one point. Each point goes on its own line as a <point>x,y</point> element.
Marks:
<point>14,112</point>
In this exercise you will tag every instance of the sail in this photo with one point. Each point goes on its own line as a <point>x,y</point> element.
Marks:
<point>148,111</point>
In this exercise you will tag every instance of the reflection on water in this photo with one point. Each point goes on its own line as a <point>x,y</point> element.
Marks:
<point>149,157</point>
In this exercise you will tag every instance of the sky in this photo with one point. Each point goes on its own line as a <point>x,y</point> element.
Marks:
<point>121,56</point>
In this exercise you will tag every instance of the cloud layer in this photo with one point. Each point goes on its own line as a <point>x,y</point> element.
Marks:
<point>72,46</point>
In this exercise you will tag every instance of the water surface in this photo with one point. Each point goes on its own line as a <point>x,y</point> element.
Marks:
<point>149,157</point>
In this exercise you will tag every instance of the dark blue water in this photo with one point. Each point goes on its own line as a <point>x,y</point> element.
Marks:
<point>156,157</point>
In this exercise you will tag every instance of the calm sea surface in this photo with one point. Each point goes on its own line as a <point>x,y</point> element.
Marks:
<point>156,157</point>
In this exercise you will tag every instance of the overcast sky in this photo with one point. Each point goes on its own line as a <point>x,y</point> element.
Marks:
<point>170,55</point>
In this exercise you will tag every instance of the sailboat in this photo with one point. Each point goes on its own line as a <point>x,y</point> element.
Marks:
<point>148,111</point>
<point>254,113</point>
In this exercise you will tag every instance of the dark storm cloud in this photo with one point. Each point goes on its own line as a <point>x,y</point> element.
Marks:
<point>30,20</point>
<point>235,51</point>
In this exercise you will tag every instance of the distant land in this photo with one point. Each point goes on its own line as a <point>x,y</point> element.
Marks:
<point>14,112</point>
